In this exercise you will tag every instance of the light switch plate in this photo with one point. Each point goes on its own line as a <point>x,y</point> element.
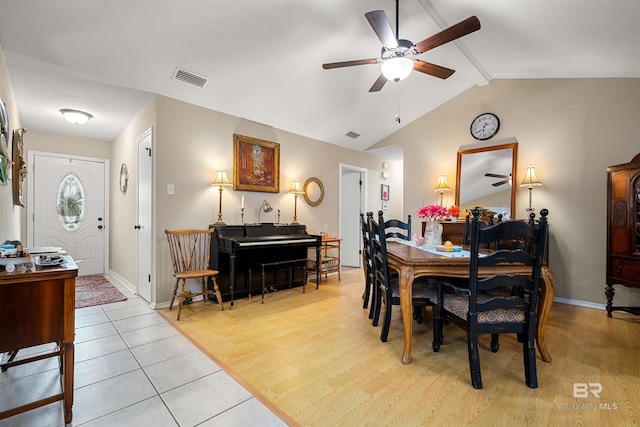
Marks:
<point>170,189</point>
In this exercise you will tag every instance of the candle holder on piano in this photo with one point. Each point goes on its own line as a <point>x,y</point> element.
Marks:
<point>241,215</point>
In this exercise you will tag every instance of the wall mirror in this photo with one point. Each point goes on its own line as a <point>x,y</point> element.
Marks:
<point>486,176</point>
<point>313,191</point>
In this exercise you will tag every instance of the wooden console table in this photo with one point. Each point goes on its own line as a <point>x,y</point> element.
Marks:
<point>38,307</point>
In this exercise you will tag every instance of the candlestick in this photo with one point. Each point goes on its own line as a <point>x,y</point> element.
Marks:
<point>241,215</point>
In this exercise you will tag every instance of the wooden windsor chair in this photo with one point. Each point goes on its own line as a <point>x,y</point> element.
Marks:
<point>190,251</point>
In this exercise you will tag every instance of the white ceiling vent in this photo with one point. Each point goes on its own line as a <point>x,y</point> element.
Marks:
<point>190,77</point>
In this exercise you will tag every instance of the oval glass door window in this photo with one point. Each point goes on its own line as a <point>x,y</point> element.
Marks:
<point>70,202</point>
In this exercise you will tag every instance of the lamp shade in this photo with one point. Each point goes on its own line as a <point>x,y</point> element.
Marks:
<point>221,179</point>
<point>530,179</point>
<point>76,117</point>
<point>442,184</point>
<point>397,68</point>
<point>266,207</point>
<point>296,188</point>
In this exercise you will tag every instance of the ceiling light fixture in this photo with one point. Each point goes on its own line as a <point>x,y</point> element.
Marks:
<point>397,68</point>
<point>76,117</point>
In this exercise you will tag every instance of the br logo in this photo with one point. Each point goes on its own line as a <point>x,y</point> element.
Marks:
<point>582,390</point>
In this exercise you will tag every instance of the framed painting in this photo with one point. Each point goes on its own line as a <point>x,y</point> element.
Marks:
<point>384,192</point>
<point>256,164</point>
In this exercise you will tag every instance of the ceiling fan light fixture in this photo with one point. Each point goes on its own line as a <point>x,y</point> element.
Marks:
<point>75,117</point>
<point>397,68</point>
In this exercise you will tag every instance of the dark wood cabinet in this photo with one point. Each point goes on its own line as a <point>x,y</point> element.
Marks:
<point>623,230</point>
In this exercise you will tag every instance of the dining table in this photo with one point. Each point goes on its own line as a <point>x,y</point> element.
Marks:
<point>411,261</point>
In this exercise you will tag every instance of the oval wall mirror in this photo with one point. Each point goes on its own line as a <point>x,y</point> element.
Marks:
<point>313,191</point>
<point>486,176</point>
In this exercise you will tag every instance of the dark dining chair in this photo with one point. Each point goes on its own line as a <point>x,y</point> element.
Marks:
<point>398,229</point>
<point>367,264</point>
<point>484,307</point>
<point>387,281</point>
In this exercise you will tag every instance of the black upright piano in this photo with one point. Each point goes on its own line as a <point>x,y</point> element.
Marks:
<point>234,249</point>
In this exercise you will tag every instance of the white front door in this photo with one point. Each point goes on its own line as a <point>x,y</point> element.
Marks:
<point>69,208</point>
<point>144,216</point>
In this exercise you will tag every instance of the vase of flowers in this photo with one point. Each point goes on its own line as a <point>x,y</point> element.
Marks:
<point>433,229</point>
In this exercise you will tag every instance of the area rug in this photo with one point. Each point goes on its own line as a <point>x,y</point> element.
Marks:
<point>96,290</point>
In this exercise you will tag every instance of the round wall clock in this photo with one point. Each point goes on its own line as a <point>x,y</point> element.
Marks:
<point>485,126</point>
<point>124,178</point>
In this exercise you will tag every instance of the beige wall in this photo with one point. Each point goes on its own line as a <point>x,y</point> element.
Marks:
<point>10,228</point>
<point>571,131</point>
<point>191,144</point>
<point>123,206</point>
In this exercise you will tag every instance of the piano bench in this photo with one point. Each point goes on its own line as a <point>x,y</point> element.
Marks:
<point>288,265</point>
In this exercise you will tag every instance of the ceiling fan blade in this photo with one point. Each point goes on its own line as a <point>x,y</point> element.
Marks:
<point>382,27</point>
<point>379,84</point>
<point>432,69</point>
<point>497,184</point>
<point>493,175</point>
<point>458,30</point>
<point>331,65</point>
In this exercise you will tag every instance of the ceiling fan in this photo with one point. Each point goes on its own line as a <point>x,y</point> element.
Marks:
<point>397,56</point>
<point>506,179</point>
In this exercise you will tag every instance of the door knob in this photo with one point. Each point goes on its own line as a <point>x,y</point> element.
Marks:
<point>137,227</point>
<point>100,227</point>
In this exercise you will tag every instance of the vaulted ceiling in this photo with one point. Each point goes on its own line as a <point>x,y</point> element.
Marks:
<point>263,58</point>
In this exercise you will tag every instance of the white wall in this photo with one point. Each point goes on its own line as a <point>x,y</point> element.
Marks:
<point>571,130</point>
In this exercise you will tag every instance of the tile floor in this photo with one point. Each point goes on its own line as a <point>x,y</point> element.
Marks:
<point>130,371</point>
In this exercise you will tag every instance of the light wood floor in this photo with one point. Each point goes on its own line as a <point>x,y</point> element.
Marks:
<point>316,357</point>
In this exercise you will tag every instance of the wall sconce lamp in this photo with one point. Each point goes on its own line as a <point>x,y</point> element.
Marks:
<point>530,180</point>
<point>266,208</point>
<point>221,179</point>
<point>75,117</point>
<point>296,190</point>
<point>442,186</point>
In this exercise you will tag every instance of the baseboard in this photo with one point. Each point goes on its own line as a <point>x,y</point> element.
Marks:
<point>581,303</point>
<point>124,282</point>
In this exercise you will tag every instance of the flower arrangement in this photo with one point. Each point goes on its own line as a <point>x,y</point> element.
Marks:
<point>454,211</point>
<point>433,212</point>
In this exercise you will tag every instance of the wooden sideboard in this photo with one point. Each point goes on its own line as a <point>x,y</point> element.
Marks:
<point>38,307</point>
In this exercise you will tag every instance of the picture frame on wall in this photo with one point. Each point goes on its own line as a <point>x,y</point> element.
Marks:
<point>384,192</point>
<point>256,164</point>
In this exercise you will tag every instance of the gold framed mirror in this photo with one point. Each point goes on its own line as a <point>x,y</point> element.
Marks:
<point>313,191</point>
<point>486,176</point>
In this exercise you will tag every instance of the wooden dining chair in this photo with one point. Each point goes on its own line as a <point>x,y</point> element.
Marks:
<point>190,251</point>
<point>387,281</point>
<point>479,310</point>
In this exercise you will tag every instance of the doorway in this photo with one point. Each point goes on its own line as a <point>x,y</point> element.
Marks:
<point>68,208</point>
<point>353,188</point>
